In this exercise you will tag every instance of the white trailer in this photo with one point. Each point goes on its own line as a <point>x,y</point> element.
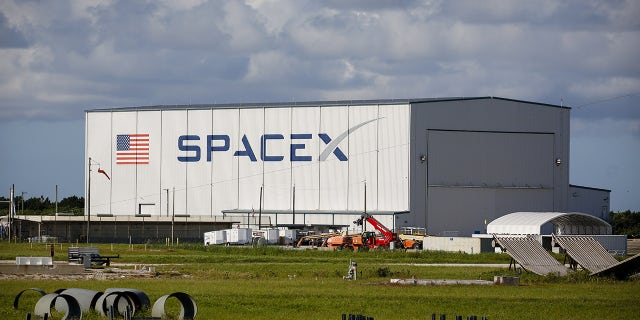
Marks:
<point>238,236</point>
<point>289,235</point>
<point>215,237</point>
<point>271,235</point>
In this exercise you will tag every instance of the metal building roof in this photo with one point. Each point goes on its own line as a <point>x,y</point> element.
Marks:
<point>622,269</point>
<point>531,256</point>
<point>309,104</point>
<point>564,223</point>
<point>587,252</point>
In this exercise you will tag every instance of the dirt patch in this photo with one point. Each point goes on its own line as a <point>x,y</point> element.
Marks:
<point>97,274</point>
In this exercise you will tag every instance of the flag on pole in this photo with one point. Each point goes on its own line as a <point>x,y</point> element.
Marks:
<point>132,148</point>
<point>103,172</point>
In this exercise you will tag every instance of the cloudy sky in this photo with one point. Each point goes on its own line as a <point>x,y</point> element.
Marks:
<point>59,58</point>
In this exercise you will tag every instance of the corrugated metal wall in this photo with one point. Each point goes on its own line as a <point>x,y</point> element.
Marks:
<point>485,158</point>
<point>376,145</point>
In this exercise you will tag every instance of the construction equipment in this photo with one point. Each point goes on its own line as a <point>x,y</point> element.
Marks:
<point>388,240</point>
<point>412,237</point>
<point>351,242</point>
<point>315,240</point>
<point>367,239</point>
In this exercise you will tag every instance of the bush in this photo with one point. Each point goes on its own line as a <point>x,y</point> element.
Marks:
<point>383,272</point>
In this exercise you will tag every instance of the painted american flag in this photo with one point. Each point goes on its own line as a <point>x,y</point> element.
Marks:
<point>132,148</point>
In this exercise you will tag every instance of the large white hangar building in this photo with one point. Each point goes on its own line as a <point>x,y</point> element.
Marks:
<point>450,165</point>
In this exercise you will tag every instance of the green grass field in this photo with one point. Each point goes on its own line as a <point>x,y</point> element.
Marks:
<point>273,283</point>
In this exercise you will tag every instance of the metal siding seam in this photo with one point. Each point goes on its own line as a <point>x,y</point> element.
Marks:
<point>211,201</point>
<point>378,161</point>
<point>160,169</point>
<point>319,166</point>
<point>237,160</point>
<point>135,179</point>
<point>264,125</point>
<point>348,106</point>
<point>292,183</point>
<point>111,166</point>
<point>186,176</point>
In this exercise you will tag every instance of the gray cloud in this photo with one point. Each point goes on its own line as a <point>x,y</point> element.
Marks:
<point>59,58</point>
<point>122,53</point>
<point>9,36</point>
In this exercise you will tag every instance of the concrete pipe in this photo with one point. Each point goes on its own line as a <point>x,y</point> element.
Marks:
<point>188,308</point>
<point>72,308</point>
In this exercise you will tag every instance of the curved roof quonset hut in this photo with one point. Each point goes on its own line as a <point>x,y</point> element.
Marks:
<point>524,223</point>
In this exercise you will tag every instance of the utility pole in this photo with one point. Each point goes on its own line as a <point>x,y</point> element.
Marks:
<point>167,190</point>
<point>260,212</point>
<point>293,206</point>
<point>173,214</point>
<point>22,199</point>
<point>89,199</point>
<point>364,223</point>
<point>12,210</point>
<point>55,217</point>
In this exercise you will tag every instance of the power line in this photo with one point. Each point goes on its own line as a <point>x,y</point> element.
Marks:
<point>607,99</point>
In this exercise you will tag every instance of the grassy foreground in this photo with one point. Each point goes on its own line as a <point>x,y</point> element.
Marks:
<point>273,283</point>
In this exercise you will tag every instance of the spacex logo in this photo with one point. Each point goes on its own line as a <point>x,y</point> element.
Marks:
<point>189,144</point>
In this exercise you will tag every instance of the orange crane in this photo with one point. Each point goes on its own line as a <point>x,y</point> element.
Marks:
<point>369,239</point>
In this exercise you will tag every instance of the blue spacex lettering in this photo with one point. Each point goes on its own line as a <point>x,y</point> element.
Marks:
<point>222,142</point>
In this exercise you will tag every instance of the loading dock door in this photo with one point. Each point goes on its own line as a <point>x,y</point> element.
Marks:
<point>477,176</point>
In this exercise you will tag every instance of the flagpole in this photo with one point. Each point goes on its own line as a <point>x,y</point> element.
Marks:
<point>88,211</point>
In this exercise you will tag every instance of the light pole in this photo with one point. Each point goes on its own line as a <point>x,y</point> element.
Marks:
<point>167,190</point>
<point>22,200</point>
<point>173,214</point>
<point>260,212</point>
<point>364,223</point>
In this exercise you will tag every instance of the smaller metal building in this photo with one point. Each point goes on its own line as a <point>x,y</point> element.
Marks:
<point>537,223</point>
<point>593,201</point>
<point>545,225</point>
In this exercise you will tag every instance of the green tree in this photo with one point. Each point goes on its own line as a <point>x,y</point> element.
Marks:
<point>72,202</point>
<point>626,222</point>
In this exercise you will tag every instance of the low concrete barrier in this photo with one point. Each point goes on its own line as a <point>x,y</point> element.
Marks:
<point>440,282</point>
<point>34,261</point>
<point>41,269</point>
<point>506,281</point>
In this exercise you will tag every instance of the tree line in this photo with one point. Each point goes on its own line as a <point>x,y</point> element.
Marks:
<point>43,206</point>
<point>624,222</point>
